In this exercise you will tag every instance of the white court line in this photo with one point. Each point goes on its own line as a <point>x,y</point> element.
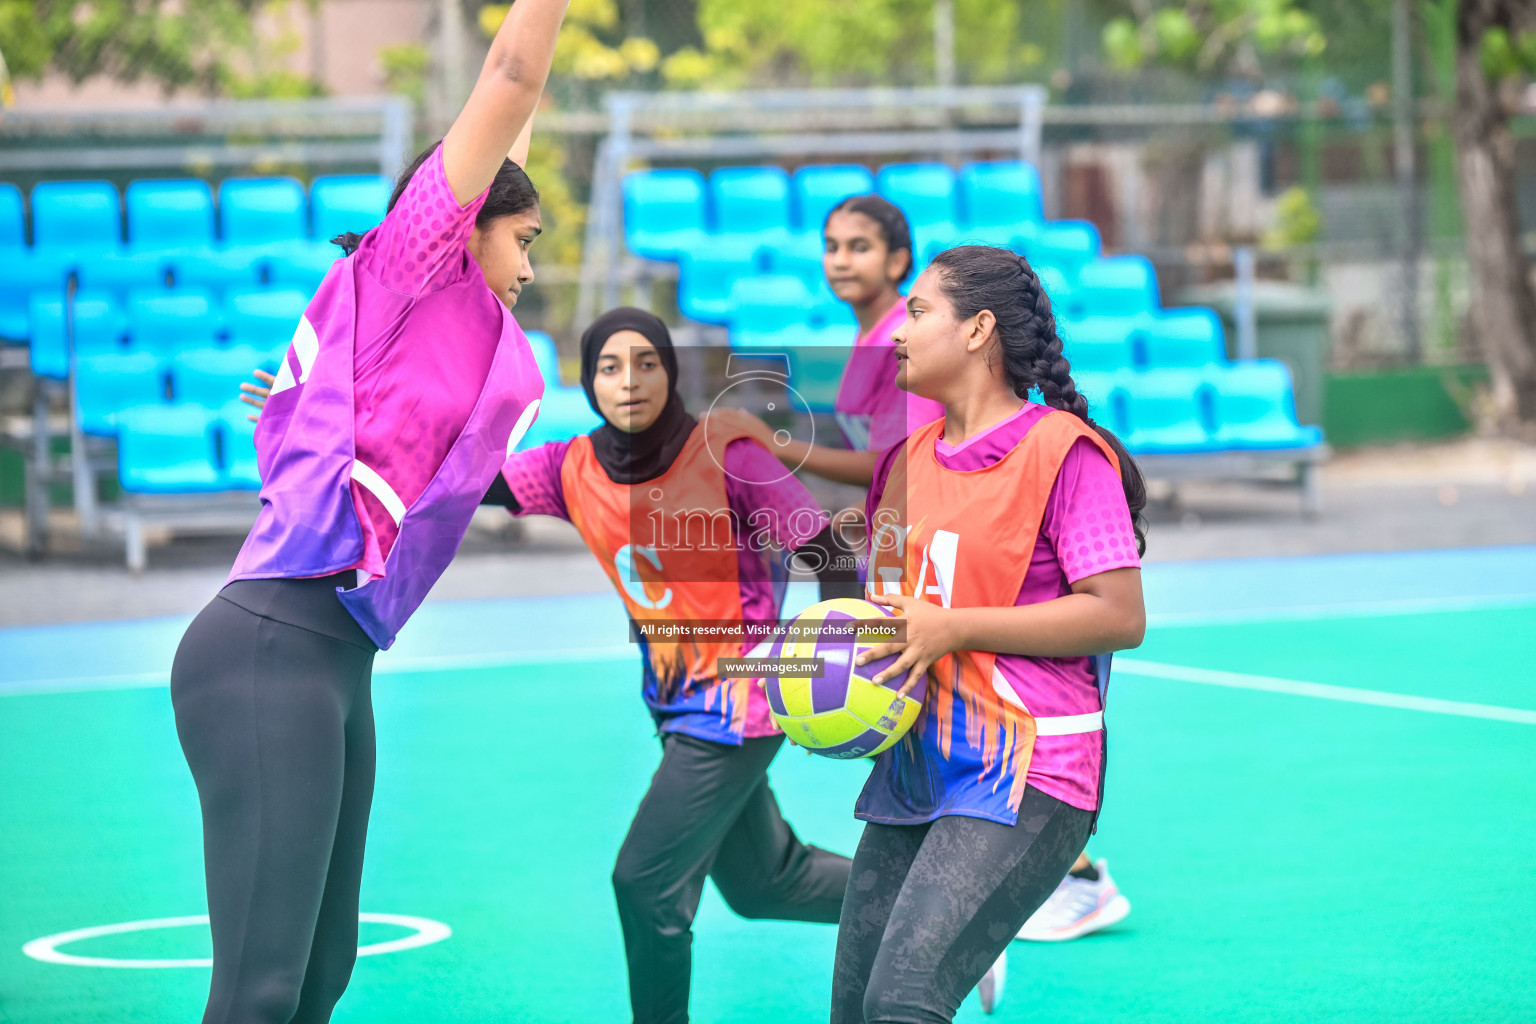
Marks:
<point>389,666</point>
<point>424,932</point>
<point>1361,610</point>
<point>1322,691</point>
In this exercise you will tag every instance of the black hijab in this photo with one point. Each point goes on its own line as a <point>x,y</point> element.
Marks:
<point>636,458</point>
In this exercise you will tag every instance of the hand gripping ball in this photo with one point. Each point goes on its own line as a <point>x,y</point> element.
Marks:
<point>844,713</point>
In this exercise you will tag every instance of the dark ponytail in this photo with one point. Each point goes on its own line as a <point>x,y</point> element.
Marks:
<point>511,192</point>
<point>893,225</point>
<point>978,277</point>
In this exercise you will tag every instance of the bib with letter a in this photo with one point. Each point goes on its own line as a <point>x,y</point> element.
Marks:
<point>963,539</point>
<point>670,550</point>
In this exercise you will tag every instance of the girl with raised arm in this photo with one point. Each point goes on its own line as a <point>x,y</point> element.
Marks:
<point>407,383</point>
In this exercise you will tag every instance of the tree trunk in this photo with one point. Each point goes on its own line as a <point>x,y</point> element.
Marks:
<point>1503,302</point>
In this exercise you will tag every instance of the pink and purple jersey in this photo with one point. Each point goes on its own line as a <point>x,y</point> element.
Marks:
<point>396,404</point>
<point>782,511</point>
<point>872,411</point>
<point>424,345</point>
<point>1085,530</point>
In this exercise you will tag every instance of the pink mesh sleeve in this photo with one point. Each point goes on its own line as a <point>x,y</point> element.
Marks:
<point>420,246</point>
<point>1086,519</point>
<point>534,477</point>
<point>784,507</point>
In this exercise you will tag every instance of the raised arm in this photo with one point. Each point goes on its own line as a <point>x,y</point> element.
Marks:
<point>502,103</point>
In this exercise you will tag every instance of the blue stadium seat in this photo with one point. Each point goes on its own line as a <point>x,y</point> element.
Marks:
<point>819,187</point>
<point>1166,411</point>
<point>818,355</point>
<point>169,322</point>
<point>799,254</point>
<point>167,449</point>
<point>751,201</point>
<point>1117,286</point>
<point>707,272</point>
<point>264,319</point>
<point>1099,344</point>
<point>1058,288</point>
<point>998,199</point>
<point>545,355</point>
<point>303,268</point>
<point>1254,407</point>
<point>173,214</point>
<point>13,221</point>
<point>262,211</point>
<point>925,192</point>
<point>98,329</point>
<point>237,448</point>
<point>766,306</point>
<point>13,251</point>
<point>106,383</point>
<point>564,411</point>
<point>348,202</point>
<point>27,274</point>
<point>1066,244</point>
<point>1180,337</point>
<point>1102,390</point>
<point>76,216</point>
<point>122,272</point>
<point>663,212</point>
<point>217,270</point>
<point>211,377</point>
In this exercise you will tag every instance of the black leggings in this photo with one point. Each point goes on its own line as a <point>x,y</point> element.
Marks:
<point>271,692</point>
<point>709,812</point>
<point>931,906</point>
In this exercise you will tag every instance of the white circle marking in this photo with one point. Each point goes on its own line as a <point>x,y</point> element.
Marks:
<point>46,949</point>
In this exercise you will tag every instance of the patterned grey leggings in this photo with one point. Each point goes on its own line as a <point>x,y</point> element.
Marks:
<point>930,907</point>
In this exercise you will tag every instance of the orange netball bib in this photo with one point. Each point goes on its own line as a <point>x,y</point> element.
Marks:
<point>964,539</point>
<point>669,548</point>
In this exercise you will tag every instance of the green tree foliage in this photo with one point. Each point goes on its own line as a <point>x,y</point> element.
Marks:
<point>851,42</point>
<point>173,43</point>
<point>1213,38</point>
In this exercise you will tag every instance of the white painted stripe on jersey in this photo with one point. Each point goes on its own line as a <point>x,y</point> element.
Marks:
<point>1069,725</point>
<point>306,345</point>
<point>379,488</point>
<point>520,429</point>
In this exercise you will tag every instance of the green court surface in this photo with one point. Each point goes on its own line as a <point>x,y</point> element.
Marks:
<point>1290,858</point>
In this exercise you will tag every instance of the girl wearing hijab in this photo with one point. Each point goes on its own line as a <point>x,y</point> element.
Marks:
<point>406,384</point>
<point>676,511</point>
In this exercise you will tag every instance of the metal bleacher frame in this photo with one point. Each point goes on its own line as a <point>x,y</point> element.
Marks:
<point>945,123</point>
<point>801,123</point>
<point>170,140</point>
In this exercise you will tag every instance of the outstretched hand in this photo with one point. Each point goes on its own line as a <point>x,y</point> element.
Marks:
<point>932,632</point>
<point>746,422</point>
<point>257,394</point>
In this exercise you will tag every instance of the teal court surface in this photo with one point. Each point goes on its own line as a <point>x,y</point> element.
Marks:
<point>1321,802</point>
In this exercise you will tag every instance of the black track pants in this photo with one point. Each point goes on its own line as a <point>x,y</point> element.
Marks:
<point>709,812</point>
<point>931,906</point>
<point>271,692</point>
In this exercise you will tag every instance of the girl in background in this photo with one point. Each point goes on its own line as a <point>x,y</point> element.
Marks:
<point>867,255</point>
<point>1006,534</point>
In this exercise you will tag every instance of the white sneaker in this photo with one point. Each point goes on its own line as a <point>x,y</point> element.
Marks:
<point>990,989</point>
<point>1077,907</point>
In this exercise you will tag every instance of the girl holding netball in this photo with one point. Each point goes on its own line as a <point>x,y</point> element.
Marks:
<point>867,255</point>
<point>407,383</point>
<point>1007,535</point>
<point>683,515</point>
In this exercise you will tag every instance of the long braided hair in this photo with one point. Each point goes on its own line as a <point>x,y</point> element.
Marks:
<point>978,277</point>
